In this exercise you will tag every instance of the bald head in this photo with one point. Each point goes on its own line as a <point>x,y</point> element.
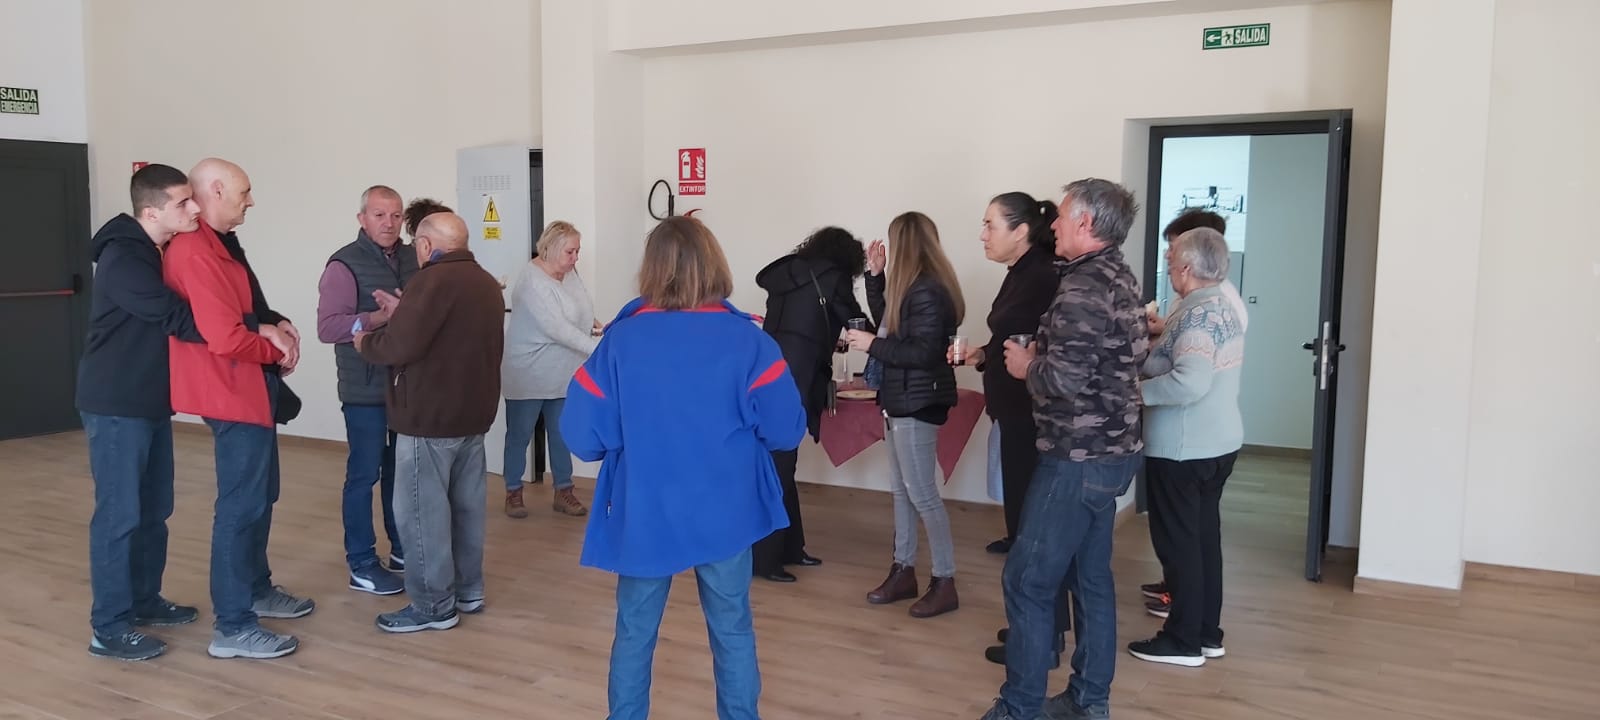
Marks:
<point>441,231</point>
<point>222,190</point>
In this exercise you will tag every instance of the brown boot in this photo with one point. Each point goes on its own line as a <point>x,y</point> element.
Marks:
<point>900,585</point>
<point>566,503</point>
<point>514,506</point>
<point>940,599</point>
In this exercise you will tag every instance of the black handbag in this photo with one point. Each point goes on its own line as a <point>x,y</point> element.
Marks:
<point>289,404</point>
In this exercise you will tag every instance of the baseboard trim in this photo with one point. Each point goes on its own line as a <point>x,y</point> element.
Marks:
<point>1553,579</point>
<point>1275,451</point>
<point>1407,591</point>
<point>1124,515</point>
<point>193,428</point>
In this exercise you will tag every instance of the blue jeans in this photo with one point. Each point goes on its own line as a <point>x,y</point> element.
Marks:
<point>131,461</point>
<point>1067,520</point>
<point>371,462</point>
<point>725,600</point>
<point>247,486</point>
<point>520,418</point>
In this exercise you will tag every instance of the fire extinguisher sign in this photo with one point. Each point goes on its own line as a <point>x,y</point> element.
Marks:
<point>692,171</point>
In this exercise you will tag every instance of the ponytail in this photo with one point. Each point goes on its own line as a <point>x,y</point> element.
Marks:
<point>1019,208</point>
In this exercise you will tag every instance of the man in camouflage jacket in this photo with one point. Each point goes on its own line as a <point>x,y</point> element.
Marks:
<point>1083,374</point>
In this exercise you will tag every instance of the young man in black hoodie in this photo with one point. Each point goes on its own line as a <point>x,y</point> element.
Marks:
<point>124,399</point>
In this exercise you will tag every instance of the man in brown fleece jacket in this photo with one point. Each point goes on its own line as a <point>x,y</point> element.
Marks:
<point>443,345</point>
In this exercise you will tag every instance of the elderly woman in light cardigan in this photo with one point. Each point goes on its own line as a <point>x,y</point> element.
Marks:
<point>552,331</point>
<point>1192,434</point>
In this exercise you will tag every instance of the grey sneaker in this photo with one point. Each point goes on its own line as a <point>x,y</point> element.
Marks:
<point>278,603</point>
<point>998,712</point>
<point>409,619</point>
<point>256,643</point>
<point>469,607</point>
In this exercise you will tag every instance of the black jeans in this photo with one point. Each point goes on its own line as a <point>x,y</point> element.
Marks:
<point>1186,529</point>
<point>786,545</point>
<point>1019,456</point>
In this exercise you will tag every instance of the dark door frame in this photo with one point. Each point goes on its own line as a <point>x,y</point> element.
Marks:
<point>1325,347</point>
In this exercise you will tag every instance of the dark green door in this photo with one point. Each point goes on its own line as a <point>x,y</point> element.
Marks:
<point>44,276</point>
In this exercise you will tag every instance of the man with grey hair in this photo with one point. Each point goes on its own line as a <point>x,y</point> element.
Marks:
<point>1083,375</point>
<point>359,289</point>
<point>1193,431</point>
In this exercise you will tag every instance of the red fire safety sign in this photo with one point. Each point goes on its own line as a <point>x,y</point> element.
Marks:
<point>692,171</point>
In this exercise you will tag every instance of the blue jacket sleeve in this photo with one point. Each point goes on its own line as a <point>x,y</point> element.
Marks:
<point>589,422</point>
<point>774,399</point>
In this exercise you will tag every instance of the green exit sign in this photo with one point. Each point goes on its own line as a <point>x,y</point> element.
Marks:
<point>20,101</point>
<point>1236,36</point>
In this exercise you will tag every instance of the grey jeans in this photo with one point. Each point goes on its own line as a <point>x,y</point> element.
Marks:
<point>439,506</point>
<point>914,464</point>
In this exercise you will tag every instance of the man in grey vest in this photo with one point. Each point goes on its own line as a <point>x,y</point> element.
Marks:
<point>359,288</point>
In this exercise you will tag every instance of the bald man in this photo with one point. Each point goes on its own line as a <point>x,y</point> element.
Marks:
<point>232,380</point>
<point>359,287</point>
<point>444,341</point>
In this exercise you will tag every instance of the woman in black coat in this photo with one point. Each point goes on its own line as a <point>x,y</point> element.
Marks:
<point>1016,233</point>
<point>810,296</point>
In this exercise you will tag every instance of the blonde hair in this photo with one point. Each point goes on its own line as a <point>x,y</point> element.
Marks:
<point>914,251</point>
<point>554,238</point>
<point>683,266</point>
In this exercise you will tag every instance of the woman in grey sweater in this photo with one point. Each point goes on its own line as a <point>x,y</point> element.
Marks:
<point>1192,434</point>
<point>552,332</point>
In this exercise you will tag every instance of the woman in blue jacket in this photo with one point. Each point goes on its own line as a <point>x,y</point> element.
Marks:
<point>683,403</point>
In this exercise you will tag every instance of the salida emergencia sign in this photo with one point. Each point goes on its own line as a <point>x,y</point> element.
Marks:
<point>1236,36</point>
<point>19,101</point>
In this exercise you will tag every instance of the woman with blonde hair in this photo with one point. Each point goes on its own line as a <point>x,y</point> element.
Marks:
<point>552,332</point>
<point>683,403</point>
<point>918,307</point>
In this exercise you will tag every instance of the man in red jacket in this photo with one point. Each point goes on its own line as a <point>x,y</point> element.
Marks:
<point>232,381</point>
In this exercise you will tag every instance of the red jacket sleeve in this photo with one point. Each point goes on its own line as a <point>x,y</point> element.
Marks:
<point>201,278</point>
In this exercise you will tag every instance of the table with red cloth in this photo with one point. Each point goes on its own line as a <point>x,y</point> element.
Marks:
<point>854,425</point>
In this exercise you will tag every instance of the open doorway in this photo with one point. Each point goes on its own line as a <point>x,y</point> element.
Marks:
<point>1281,187</point>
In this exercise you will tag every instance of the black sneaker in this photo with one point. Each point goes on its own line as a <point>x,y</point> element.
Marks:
<point>1212,651</point>
<point>165,613</point>
<point>997,655</point>
<point>131,646</point>
<point>1154,590</point>
<point>1161,649</point>
<point>1160,607</point>
<point>999,547</point>
<point>397,563</point>
<point>1061,707</point>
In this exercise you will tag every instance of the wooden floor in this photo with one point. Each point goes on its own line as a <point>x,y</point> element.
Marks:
<point>1295,649</point>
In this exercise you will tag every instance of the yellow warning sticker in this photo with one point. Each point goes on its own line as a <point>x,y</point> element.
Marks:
<point>491,233</point>
<point>490,213</point>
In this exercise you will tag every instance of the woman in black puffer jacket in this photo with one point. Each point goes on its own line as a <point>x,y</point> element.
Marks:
<point>918,308</point>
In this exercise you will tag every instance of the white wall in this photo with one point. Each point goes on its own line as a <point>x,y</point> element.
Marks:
<point>43,50</point>
<point>317,101</point>
<point>1282,286</point>
<point>854,133</point>
<point>1532,481</point>
<point>1420,405</point>
<point>650,24</point>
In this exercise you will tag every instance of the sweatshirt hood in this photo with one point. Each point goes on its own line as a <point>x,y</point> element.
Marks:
<point>122,228</point>
<point>788,274</point>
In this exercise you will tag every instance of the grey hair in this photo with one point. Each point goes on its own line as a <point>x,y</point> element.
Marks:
<point>1111,207</point>
<point>1205,252</point>
<point>377,190</point>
